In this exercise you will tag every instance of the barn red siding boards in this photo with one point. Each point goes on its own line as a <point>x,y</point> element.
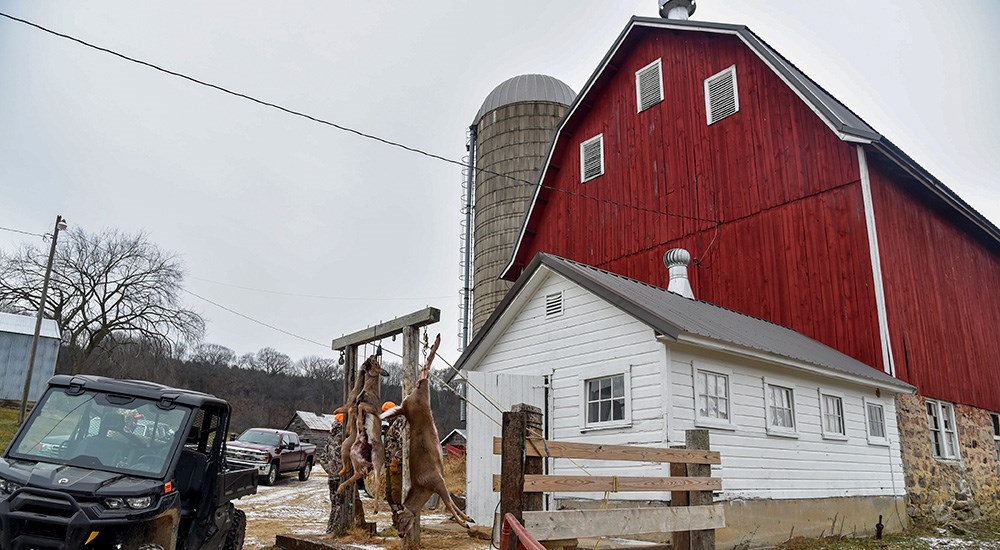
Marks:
<point>792,244</point>
<point>942,290</point>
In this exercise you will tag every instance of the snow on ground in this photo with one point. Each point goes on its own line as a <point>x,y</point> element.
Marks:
<point>289,506</point>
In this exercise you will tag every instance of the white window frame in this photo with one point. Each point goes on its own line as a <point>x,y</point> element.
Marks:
<point>944,412</point>
<point>780,431</point>
<point>604,372</point>
<point>583,145</point>
<point>823,394</point>
<point>638,89</point>
<point>708,421</point>
<point>736,95</point>
<point>995,420</point>
<point>874,439</point>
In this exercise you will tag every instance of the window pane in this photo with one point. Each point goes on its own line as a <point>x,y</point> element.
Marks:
<point>702,405</point>
<point>605,388</point>
<point>618,409</point>
<point>618,386</point>
<point>605,411</point>
<point>594,389</point>
<point>723,391</point>
<point>592,409</point>
<point>724,409</point>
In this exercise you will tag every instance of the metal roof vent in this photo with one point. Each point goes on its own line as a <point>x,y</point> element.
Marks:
<point>592,158</point>
<point>554,304</point>
<point>649,85</point>
<point>677,9</point>
<point>721,96</point>
<point>677,260</point>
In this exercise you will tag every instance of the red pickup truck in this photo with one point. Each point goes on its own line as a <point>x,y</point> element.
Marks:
<point>272,453</point>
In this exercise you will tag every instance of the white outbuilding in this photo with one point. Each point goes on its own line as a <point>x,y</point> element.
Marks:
<point>16,333</point>
<point>808,435</point>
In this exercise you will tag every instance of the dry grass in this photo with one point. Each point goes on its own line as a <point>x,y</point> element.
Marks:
<point>8,425</point>
<point>454,474</point>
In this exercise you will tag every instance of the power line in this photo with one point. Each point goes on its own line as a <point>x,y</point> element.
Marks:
<point>262,323</point>
<point>317,296</point>
<point>347,128</point>
<point>23,232</point>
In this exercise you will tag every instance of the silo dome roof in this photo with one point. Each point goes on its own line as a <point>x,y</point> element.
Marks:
<point>527,87</point>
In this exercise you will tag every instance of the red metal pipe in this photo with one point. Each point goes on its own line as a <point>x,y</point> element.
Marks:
<point>522,539</point>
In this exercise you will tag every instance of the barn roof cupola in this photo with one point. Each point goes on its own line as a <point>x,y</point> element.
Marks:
<point>677,260</point>
<point>677,9</point>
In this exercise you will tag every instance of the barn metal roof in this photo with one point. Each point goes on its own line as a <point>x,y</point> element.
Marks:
<point>674,316</point>
<point>526,87</point>
<point>25,324</point>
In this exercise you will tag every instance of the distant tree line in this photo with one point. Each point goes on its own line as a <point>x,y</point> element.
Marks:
<point>116,300</point>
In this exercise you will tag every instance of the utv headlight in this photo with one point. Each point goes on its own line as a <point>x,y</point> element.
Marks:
<point>8,487</point>
<point>135,503</point>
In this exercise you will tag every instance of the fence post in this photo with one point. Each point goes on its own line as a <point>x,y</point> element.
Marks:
<point>512,464</point>
<point>699,440</point>
<point>681,539</point>
<point>532,464</point>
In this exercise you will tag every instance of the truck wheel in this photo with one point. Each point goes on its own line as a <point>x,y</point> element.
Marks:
<point>306,470</point>
<point>237,531</point>
<point>272,475</point>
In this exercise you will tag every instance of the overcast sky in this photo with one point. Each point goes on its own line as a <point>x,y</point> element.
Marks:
<point>252,197</point>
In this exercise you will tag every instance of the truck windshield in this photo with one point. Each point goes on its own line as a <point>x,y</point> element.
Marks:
<point>270,439</point>
<point>121,434</point>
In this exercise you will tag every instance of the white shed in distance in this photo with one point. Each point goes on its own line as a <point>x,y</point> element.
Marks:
<point>16,332</point>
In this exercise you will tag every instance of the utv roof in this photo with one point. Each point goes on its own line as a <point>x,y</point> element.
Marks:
<point>137,388</point>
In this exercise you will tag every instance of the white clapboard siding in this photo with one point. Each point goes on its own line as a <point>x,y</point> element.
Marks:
<point>758,465</point>
<point>483,425</point>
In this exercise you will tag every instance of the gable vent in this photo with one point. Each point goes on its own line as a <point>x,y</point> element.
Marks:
<point>553,304</point>
<point>649,85</point>
<point>721,97</point>
<point>592,158</point>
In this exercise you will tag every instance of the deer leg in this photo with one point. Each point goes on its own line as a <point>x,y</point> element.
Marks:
<point>411,509</point>
<point>358,474</point>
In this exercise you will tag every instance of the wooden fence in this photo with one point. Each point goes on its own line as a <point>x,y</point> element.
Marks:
<point>692,516</point>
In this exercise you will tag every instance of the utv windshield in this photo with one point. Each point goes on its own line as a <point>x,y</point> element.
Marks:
<point>129,435</point>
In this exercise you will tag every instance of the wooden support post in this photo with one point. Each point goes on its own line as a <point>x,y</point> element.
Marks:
<point>342,508</point>
<point>698,439</point>
<point>681,539</point>
<point>411,365</point>
<point>532,464</point>
<point>512,465</point>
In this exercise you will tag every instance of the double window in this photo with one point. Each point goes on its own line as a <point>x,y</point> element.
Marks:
<point>832,413</point>
<point>941,420</point>
<point>606,400</point>
<point>780,403</point>
<point>713,397</point>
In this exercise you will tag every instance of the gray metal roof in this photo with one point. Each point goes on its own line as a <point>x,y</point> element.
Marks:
<point>673,315</point>
<point>25,324</point>
<point>318,422</point>
<point>526,87</point>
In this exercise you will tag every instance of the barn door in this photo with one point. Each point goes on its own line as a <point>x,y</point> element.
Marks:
<point>505,390</point>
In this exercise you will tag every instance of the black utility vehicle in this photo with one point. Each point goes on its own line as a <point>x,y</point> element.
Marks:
<point>109,464</point>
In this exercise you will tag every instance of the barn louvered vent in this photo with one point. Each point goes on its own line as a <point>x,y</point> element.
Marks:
<point>553,304</point>
<point>592,158</point>
<point>649,85</point>
<point>721,97</point>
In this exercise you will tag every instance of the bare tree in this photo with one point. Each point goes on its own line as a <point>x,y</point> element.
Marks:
<point>214,354</point>
<point>319,368</point>
<point>269,361</point>
<point>105,288</point>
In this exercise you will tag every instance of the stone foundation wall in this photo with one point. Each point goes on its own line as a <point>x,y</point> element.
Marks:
<point>947,491</point>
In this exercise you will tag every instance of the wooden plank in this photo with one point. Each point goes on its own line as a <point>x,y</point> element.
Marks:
<point>568,524</point>
<point>426,316</point>
<point>600,484</point>
<point>564,449</point>
<point>533,465</point>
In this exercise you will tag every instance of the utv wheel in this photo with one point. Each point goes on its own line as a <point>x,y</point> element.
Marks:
<point>305,471</point>
<point>237,531</point>
<point>272,475</point>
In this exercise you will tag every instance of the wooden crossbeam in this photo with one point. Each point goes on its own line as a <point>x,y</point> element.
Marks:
<point>426,316</point>
<point>564,449</point>
<point>570,524</point>
<point>600,484</point>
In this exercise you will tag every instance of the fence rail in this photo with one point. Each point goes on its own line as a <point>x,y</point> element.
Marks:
<point>692,517</point>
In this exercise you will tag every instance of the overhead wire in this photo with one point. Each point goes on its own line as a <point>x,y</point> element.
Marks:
<point>348,129</point>
<point>42,235</point>
<point>316,296</point>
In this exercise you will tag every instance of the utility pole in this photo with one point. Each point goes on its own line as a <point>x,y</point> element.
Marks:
<point>60,224</point>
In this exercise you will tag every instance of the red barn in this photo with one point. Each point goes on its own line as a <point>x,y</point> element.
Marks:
<point>700,135</point>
